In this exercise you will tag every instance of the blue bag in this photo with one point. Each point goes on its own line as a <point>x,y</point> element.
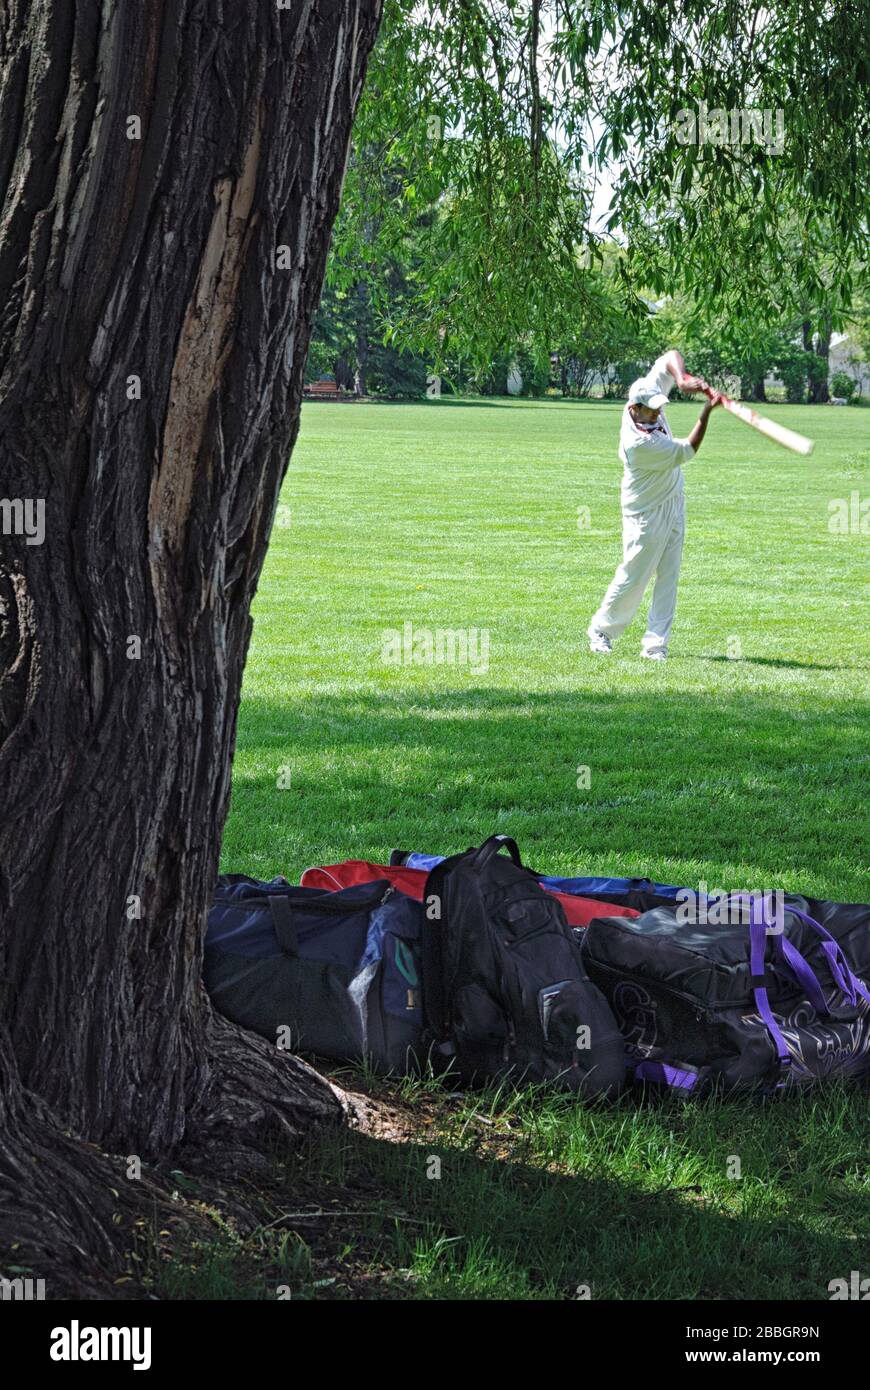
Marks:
<point>332,973</point>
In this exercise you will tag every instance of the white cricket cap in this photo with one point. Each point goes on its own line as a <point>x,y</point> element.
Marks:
<point>642,393</point>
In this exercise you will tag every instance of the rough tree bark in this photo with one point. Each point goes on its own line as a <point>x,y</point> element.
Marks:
<point>169,175</point>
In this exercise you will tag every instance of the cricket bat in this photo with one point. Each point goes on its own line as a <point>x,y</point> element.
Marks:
<point>789,439</point>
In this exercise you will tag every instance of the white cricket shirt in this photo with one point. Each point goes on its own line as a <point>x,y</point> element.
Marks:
<point>651,456</point>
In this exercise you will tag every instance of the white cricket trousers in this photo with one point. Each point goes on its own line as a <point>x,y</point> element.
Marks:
<point>652,544</point>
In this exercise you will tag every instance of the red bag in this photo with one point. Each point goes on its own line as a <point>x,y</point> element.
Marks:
<point>412,882</point>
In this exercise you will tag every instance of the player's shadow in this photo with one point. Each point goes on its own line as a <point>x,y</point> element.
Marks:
<point>770,661</point>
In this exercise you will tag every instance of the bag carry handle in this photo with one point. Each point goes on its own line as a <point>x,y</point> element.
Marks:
<point>324,899</point>
<point>281,907</point>
<point>848,983</point>
<point>491,847</point>
<point>803,972</point>
<point>758,981</point>
<point>285,929</point>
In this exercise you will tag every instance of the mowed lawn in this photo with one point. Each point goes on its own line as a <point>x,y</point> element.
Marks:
<point>743,762</point>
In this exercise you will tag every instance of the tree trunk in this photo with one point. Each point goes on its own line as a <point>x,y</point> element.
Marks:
<point>343,373</point>
<point>169,175</point>
<point>819,393</point>
<point>361,358</point>
<point>752,387</point>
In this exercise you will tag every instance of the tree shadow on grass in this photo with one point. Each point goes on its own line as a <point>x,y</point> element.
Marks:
<point>680,784</point>
<point>436,1220</point>
<point>642,782</point>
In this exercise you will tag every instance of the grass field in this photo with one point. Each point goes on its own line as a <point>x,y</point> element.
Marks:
<point>742,762</point>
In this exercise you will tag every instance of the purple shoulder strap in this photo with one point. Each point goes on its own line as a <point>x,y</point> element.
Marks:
<point>665,1075</point>
<point>758,981</point>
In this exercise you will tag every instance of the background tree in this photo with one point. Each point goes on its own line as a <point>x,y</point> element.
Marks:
<point>348,339</point>
<point>490,114</point>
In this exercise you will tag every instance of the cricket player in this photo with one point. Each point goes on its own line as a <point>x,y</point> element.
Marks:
<point>653,510</point>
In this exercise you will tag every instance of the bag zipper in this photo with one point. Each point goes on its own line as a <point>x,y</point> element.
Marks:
<point>509,1049</point>
<point>530,936</point>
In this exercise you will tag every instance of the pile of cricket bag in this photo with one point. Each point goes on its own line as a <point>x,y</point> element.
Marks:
<point>477,965</point>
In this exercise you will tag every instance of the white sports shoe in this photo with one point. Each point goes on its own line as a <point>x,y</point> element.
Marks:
<point>598,642</point>
<point>655,656</point>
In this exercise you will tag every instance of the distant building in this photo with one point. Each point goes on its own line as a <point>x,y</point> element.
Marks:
<point>842,357</point>
<point>845,357</point>
<point>514,379</point>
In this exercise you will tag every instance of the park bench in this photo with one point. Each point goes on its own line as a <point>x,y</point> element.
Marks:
<point>323,390</point>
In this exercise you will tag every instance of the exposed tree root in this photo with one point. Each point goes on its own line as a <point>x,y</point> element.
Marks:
<point>258,1101</point>
<point>73,1215</point>
<point>68,1213</point>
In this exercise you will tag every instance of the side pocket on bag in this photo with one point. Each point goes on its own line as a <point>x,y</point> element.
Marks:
<point>581,1036</point>
<point>482,1033</point>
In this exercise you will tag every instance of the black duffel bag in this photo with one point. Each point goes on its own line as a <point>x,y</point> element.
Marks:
<point>750,998</point>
